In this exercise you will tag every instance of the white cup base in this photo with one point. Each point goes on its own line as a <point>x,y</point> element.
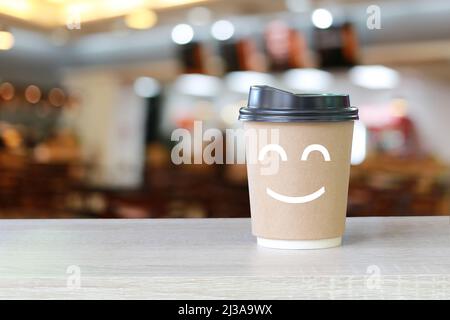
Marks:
<point>299,244</point>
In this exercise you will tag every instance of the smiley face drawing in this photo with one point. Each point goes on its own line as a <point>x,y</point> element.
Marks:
<point>304,157</point>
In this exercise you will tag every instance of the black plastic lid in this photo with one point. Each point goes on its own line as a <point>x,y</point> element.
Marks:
<point>269,104</point>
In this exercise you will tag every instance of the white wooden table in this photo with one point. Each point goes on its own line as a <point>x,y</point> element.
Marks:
<point>406,257</point>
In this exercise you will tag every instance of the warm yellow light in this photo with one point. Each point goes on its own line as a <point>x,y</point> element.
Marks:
<point>17,8</point>
<point>6,40</point>
<point>28,10</point>
<point>57,97</point>
<point>7,91</point>
<point>33,94</point>
<point>52,13</point>
<point>93,10</point>
<point>141,19</point>
<point>12,138</point>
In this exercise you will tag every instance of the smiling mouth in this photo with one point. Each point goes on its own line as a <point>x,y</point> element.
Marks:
<point>287,199</point>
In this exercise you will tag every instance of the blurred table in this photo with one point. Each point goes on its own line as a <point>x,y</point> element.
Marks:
<point>382,257</point>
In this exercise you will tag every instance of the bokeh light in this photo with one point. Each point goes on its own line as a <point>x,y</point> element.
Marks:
<point>6,40</point>
<point>57,97</point>
<point>222,30</point>
<point>322,18</point>
<point>7,91</point>
<point>182,34</point>
<point>141,19</point>
<point>33,94</point>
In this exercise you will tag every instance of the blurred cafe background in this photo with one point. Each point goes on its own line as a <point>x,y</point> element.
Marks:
<point>91,90</point>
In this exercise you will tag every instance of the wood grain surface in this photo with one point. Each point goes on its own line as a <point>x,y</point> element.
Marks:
<point>382,258</point>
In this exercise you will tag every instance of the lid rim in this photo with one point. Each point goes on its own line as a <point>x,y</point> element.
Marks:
<point>293,107</point>
<point>297,119</point>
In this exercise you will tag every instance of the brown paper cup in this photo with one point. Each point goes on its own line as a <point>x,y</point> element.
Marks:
<point>302,204</point>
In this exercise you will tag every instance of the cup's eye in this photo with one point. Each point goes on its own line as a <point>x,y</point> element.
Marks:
<point>272,147</point>
<point>316,147</point>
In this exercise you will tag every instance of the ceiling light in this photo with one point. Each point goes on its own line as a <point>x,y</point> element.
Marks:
<point>6,40</point>
<point>308,79</point>
<point>53,13</point>
<point>182,34</point>
<point>241,81</point>
<point>141,19</point>
<point>322,18</point>
<point>198,85</point>
<point>222,30</point>
<point>374,77</point>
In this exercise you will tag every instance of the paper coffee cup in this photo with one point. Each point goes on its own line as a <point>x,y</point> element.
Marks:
<point>298,161</point>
